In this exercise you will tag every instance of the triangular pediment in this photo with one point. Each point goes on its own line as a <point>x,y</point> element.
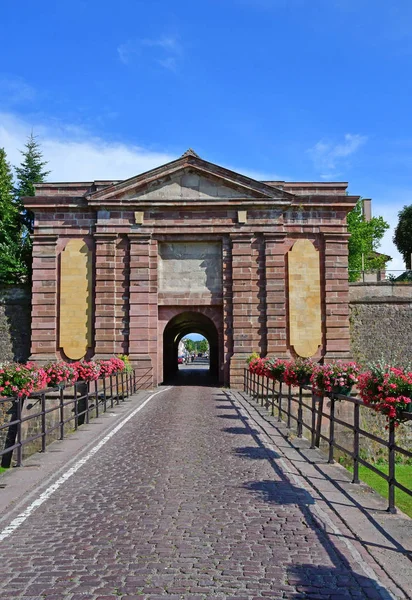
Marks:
<point>189,178</point>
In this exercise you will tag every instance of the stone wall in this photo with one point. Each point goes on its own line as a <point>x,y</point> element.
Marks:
<point>381,322</point>
<point>14,323</point>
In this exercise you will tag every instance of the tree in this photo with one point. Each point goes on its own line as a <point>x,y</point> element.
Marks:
<point>189,345</point>
<point>198,346</point>
<point>403,235</point>
<point>12,265</point>
<point>203,346</point>
<point>364,242</point>
<point>30,172</point>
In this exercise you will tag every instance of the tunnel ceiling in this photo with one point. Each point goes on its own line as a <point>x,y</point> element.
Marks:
<point>190,322</point>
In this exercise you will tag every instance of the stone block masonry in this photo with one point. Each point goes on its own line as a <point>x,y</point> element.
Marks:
<point>170,242</point>
<point>15,323</point>
<point>381,322</point>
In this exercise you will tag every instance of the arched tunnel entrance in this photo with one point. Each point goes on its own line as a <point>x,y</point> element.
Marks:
<point>176,329</point>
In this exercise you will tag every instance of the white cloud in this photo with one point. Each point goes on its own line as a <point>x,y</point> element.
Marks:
<point>169,43</point>
<point>15,90</point>
<point>126,51</point>
<point>164,51</point>
<point>168,63</point>
<point>74,154</point>
<point>327,156</point>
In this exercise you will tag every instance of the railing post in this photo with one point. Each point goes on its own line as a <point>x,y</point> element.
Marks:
<point>61,412</point>
<point>331,429</point>
<point>267,393</point>
<point>19,452</point>
<point>104,394</point>
<point>43,422</point>
<point>319,421</point>
<point>300,414</point>
<point>111,389</point>
<point>117,388</point>
<point>289,406</point>
<point>356,443</point>
<point>76,408</point>
<point>127,385</point>
<point>96,393</point>
<point>273,398</point>
<point>262,400</point>
<point>280,402</point>
<point>392,473</point>
<point>313,427</point>
<point>122,380</point>
<point>87,402</point>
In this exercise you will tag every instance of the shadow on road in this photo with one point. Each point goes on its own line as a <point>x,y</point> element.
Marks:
<point>338,580</point>
<point>193,374</point>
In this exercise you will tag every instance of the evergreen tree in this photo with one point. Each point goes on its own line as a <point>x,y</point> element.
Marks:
<point>12,265</point>
<point>31,171</point>
<point>364,242</point>
<point>403,235</point>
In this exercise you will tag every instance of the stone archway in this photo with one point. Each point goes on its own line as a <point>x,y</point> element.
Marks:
<point>264,261</point>
<point>182,323</point>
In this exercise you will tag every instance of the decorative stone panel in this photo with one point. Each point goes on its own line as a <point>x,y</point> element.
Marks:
<point>188,184</point>
<point>75,299</point>
<point>190,267</point>
<point>305,328</point>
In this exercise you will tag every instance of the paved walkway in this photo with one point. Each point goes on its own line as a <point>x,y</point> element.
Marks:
<point>188,499</point>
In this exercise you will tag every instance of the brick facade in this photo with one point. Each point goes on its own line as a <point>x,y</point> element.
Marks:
<point>190,201</point>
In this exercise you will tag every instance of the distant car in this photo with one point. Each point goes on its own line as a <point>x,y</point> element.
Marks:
<point>180,360</point>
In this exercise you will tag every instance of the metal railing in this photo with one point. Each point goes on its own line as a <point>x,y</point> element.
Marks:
<point>73,405</point>
<point>281,399</point>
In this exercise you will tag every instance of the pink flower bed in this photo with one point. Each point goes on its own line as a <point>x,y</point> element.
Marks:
<point>17,380</point>
<point>386,389</point>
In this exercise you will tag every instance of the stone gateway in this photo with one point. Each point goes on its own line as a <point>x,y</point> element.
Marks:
<point>130,267</point>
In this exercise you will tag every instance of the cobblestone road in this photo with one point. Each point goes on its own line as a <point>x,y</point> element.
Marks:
<point>183,502</point>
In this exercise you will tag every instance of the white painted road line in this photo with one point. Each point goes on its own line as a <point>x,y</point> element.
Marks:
<point>19,520</point>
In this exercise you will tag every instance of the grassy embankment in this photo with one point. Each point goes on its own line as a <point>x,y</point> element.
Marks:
<point>403,475</point>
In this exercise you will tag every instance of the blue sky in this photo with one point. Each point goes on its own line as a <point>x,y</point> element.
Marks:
<point>276,89</point>
<point>196,337</point>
